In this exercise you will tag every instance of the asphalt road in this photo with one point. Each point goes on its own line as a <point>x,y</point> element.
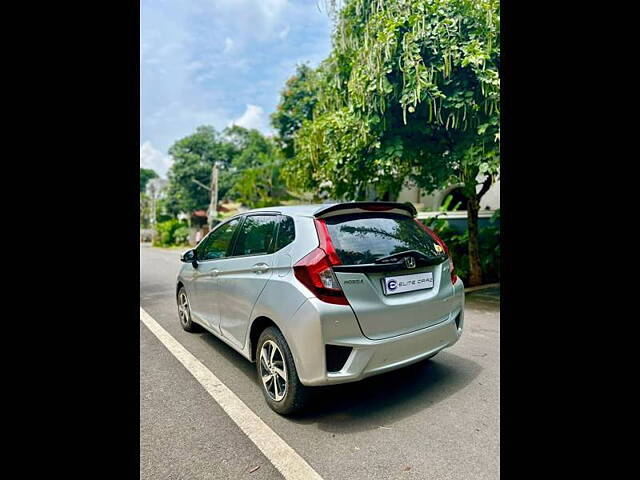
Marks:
<point>433,420</point>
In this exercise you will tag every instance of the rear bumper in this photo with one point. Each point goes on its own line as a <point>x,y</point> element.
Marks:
<point>317,324</point>
<point>375,357</point>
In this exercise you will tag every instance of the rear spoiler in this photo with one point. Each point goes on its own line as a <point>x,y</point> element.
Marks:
<point>354,207</point>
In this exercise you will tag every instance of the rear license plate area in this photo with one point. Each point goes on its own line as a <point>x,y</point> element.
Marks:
<point>407,283</point>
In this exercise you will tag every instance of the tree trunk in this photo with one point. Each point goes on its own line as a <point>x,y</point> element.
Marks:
<point>475,267</point>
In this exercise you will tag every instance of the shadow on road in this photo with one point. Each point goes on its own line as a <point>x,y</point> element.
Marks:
<point>384,399</point>
<point>376,401</point>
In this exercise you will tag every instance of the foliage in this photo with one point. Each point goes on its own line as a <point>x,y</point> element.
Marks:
<point>145,210</point>
<point>296,105</point>
<point>489,240</point>
<point>248,172</point>
<point>171,232</point>
<point>260,186</point>
<point>181,235</point>
<point>193,158</point>
<point>410,91</point>
<point>237,140</point>
<point>446,203</point>
<point>154,194</point>
<point>255,170</point>
<point>146,174</point>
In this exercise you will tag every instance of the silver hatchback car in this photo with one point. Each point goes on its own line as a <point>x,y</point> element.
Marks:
<point>323,294</point>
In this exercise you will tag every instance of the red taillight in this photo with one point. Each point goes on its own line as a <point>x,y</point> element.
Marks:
<point>314,270</point>
<point>439,241</point>
<point>325,242</point>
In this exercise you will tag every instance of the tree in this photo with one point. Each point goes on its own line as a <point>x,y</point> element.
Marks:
<point>193,159</point>
<point>145,210</point>
<point>410,91</point>
<point>296,105</point>
<point>259,183</point>
<point>248,172</point>
<point>155,192</point>
<point>255,169</point>
<point>146,174</point>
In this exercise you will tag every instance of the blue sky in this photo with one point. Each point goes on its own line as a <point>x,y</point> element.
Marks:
<point>218,62</point>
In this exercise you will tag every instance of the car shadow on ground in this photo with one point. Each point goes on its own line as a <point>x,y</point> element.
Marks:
<point>376,401</point>
<point>382,400</point>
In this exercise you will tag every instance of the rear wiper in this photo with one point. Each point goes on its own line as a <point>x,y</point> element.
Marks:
<point>393,263</point>
<point>394,258</point>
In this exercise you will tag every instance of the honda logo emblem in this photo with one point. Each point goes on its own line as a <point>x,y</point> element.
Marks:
<point>410,262</point>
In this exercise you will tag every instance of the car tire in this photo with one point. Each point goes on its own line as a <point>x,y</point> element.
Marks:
<point>295,395</point>
<point>184,312</point>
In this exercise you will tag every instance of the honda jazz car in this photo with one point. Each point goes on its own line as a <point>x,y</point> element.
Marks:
<point>323,294</point>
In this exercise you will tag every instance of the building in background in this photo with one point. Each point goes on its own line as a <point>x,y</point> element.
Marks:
<point>433,202</point>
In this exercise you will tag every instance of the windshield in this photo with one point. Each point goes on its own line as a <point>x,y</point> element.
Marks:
<point>364,237</point>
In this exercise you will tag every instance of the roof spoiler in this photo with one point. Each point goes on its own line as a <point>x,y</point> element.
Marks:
<point>389,207</point>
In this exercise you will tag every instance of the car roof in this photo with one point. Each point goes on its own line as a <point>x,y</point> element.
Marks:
<point>323,209</point>
<point>306,210</point>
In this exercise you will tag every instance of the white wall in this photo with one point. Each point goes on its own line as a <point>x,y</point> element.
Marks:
<point>491,199</point>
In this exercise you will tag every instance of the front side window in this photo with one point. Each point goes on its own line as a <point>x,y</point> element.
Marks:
<point>218,242</point>
<point>256,237</point>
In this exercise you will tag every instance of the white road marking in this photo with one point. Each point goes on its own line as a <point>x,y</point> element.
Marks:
<point>280,454</point>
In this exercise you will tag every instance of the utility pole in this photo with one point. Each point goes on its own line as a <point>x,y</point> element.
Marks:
<point>213,204</point>
<point>212,212</point>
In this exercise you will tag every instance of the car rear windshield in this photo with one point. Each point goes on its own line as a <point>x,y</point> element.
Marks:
<point>365,237</point>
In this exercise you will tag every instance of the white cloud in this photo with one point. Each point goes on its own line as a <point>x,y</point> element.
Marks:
<point>253,19</point>
<point>203,60</point>
<point>228,45</point>
<point>253,117</point>
<point>152,158</point>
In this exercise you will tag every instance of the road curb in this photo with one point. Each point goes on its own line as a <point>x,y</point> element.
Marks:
<point>481,287</point>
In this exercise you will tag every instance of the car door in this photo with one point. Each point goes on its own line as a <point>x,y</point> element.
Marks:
<point>211,254</point>
<point>244,275</point>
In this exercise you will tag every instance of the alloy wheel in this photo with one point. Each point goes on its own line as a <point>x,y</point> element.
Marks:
<point>273,370</point>
<point>183,308</point>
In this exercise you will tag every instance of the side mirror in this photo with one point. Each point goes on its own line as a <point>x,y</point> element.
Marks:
<point>189,257</point>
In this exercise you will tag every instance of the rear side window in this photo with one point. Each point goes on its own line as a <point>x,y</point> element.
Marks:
<point>256,236</point>
<point>286,232</point>
<point>364,237</point>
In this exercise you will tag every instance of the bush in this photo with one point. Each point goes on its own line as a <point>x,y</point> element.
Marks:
<point>488,239</point>
<point>171,232</point>
<point>181,235</point>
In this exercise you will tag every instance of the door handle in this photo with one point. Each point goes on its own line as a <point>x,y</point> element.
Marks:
<point>214,273</point>
<point>260,268</point>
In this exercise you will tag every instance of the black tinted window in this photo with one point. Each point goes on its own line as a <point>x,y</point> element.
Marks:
<point>286,232</point>
<point>363,238</point>
<point>256,236</point>
<point>218,242</point>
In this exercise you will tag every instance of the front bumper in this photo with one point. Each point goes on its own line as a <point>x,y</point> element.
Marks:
<point>317,324</point>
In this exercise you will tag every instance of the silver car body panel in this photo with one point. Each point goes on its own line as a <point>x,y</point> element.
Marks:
<point>240,283</point>
<point>385,332</point>
<point>382,316</point>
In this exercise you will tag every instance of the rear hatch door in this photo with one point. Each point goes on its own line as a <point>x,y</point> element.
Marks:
<point>394,274</point>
